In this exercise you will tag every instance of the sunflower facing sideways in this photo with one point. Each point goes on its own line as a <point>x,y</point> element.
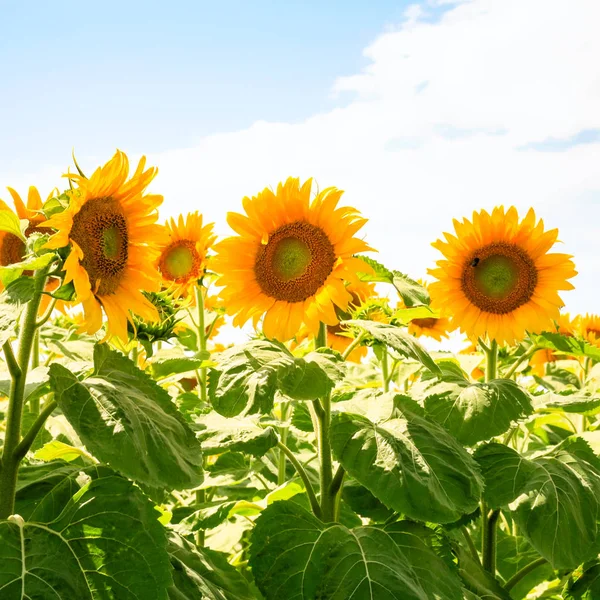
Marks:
<point>110,225</point>
<point>182,257</point>
<point>589,327</point>
<point>497,278</point>
<point>290,259</point>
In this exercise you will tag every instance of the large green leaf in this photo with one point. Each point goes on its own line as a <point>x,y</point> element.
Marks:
<point>220,434</point>
<point>128,421</point>
<point>93,536</point>
<point>248,377</point>
<point>411,292</point>
<point>398,339</point>
<point>566,345</point>
<point>204,574</point>
<point>554,497</point>
<point>580,403</point>
<point>474,412</point>
<point>411,464</point>
<point>293,555</point>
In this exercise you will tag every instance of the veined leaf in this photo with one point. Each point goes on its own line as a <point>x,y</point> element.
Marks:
<point>554,497</point>
<point>474,412</point>
<point>580,403</point>
<point>249,376</point>
<point>12,272</point>
<point>10,223</point>
<point>9,317</point>
<point>566,345</point>
<point>91,537</point>
<point>398,339</point>
<point>295,556</point>
<point>204,574</point>
<point>411,464</point>
<point>59,450</point>
<point>174,366</point>
<point>128,421</point>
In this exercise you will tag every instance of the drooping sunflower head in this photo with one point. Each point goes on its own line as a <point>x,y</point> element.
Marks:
<point>497,278</point>
<point>110,227</point>
<point>290,259</point>
<point>589,328</point>
<point>182,259</point>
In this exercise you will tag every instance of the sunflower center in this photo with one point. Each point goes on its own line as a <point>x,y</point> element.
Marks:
<point>427,323</point>
<point>499,278</point>
<point>100,230</point>
<point>12,250</point>
<point>295,262</point>
<point>180,261</point>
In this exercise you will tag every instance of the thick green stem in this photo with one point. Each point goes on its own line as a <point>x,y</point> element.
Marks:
<point>199,293</point>
<point>324,417</point>
<point>283,433</point>
<point>314,503</point>
<point>18,369</point>
<point>488,521</point>
<point>510,584</point>
<point>385,370</point>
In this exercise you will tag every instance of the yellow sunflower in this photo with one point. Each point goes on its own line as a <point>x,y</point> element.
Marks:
<point>336,339</point>
<point>182,258</point>
<point>291,259</point>
<point>589,327</point>
<point>110,224</point>
<point>498,278</point>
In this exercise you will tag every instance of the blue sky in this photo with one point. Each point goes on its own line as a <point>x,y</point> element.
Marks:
<point>149,76</point>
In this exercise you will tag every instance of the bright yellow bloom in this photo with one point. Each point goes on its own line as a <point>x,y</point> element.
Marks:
<point>589,327</point>
<point>291,259</point>
<point>182,257</point>
<point>498,279</point>
<point>110,224</point>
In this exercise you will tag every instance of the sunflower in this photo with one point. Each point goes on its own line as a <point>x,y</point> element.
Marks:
<point>337,337</point>
<point>183,257</point>
<point>110,225</point>
<point>589,327</point>
<point>498,279</point>
<point>291,259</point>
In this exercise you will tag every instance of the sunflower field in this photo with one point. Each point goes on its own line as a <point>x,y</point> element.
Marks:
<point>329,456</point>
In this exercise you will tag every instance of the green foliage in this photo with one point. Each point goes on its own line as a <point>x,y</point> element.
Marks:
<point>409,463</point>
<point>294,555</point>
<point>125,419</point>
<point>92,535</point>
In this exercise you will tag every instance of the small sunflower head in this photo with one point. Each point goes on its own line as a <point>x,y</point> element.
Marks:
<point>163,329</point>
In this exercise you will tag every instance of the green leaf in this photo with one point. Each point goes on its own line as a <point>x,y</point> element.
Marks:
<point>474,412</point>
<point>59,450</point>
<point>10,223</point>
<point>585,587</point>
<point>476,579</point>
<point>65,292</point>
<point>9,317</point>
<point>248,377</point>
<point>236,434</point>
<point>398,339</point>
<point>35,386</point>
<point>566,345</point>
<point>11,273</point>
<point>21,290</point>
<point>554,497</point>
<point>579,403</point>
<point>94,536</point>
<point>128,421</point>
<point>174,366</point>
<point>204,574</point>
<point>411,292</point>
<point>295,555</point>
<point>411,464</point>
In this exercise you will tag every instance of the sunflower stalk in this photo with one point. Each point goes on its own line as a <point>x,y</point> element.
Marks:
<point>18,367</point>
<point>328,499</point>
<point>489,518</point>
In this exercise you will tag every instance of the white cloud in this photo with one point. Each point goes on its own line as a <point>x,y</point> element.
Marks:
<point>433,128</point>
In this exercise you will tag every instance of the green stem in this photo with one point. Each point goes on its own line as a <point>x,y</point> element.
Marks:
<point>525,356</point>
<point>283,433</point>
<point>489,542</point>
<point>28,439</point>
<point>314,503</point>
<point>201,338</point>
<point>323,412</point>
<point>491,362</point>
<point>385,370</point>
<point>335,491</point>
<point>470,543</point>
<point>34,407</point>
<point>18,369</point>
<point>200,534</point>
<point>355,343</point>
<point>523,572</point>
